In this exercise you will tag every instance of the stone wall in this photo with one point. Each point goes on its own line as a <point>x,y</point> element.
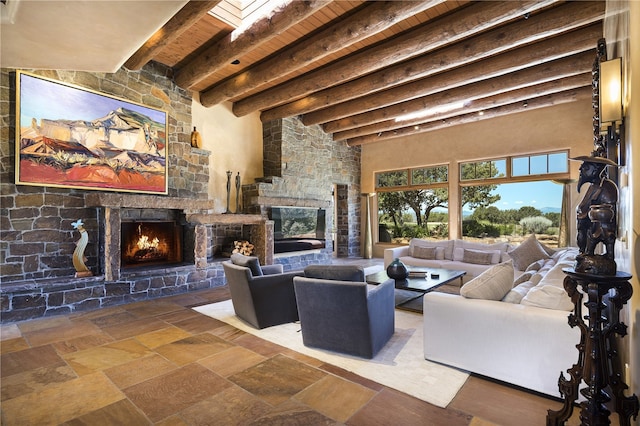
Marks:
<point>38,240</point>
<point>303,167</point>
<point>37,237</point>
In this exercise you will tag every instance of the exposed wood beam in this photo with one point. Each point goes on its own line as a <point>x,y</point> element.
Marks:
<point>479,105</point>
<point>559,68</point>
<point>575,95</point>
<point>508,62</point>
<point>545,24</point>
<point>372,19</point>
<point>181,21</point>
<point>235,45</point>
<point>476,17</point>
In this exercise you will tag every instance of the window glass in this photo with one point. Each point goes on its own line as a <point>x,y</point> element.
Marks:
<point>429,175</point>
<point>520,166</point>
<point>391,179</point>
<point>403,215</point>
<point>483,170</point>
<point>512,211</point>
<point>538,164</point>
<point>558,163</point>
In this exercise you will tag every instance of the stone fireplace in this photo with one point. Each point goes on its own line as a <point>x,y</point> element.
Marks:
<point>302,167</point>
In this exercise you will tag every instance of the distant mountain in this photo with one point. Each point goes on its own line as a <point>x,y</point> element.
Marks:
<point>550,210</point>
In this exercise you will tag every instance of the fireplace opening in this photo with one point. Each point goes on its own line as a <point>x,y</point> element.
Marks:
<point>151,243</point>
<point>298,228</point>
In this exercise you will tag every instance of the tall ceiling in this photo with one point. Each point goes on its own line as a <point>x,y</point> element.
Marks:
<point>365,71</point>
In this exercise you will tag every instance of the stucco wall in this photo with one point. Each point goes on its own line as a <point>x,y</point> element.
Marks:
<point>235,144</point>
<point>566,126</point>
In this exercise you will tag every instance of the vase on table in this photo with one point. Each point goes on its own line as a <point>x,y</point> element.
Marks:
<point>397,270</point>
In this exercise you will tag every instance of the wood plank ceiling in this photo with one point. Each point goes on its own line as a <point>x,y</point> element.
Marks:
<point>368,71</point>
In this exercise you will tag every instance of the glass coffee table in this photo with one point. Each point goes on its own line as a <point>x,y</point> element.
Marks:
<point>409,292</point>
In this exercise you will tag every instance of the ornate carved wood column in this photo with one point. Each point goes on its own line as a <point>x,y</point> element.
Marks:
<point>599,365</point>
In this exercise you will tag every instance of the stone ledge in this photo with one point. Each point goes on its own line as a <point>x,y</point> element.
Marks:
<point>146,202</point>
<point>227,219</point>
<point>49,284</point>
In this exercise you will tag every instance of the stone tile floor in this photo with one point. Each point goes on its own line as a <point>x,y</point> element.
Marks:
<point>160,362</point>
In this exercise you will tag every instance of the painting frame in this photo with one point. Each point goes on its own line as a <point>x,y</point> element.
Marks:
<point>68,136</point>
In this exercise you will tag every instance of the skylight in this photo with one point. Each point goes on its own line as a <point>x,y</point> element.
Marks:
<point>244,13</point>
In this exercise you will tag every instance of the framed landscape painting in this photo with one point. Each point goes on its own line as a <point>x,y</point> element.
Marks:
<point>68,136</point>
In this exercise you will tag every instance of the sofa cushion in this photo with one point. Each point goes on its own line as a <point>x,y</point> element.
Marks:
<point>251,262</point>
<point>446,245</point>
<point>548,297</point>
<point>516,294</point>
<point>492,284</point>
<point>479,257</point>
<point>527,252</point>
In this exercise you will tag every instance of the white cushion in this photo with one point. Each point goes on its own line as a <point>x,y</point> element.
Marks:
<point>479,246</point>
<point>527,252</point>
<point>492,284</point>
<point>548,297</point>
<point>458,254</point>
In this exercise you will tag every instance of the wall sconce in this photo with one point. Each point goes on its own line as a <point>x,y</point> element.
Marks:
<point>611,107</point>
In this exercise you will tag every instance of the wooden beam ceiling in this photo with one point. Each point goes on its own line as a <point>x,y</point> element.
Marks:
<point>355,67</point>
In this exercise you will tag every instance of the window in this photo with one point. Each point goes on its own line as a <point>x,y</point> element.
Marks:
<point>483,170</point>
<point>413,203</point>
<point>540,164</point>
<point>391,179</point>
<point>508,198</point>
<point>429,175</point>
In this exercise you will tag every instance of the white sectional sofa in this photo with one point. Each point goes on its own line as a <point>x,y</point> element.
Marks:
<point>461,255</point>
<point>516,332</point>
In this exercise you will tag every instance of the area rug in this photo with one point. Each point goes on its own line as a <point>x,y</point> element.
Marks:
<point>399,365</point>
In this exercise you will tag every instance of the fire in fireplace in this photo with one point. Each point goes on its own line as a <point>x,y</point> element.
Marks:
<point>151,243</point>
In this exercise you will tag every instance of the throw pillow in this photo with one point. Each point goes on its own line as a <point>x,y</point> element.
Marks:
<point>492,284</point>
<point>549,250</point>
<point>459,252</point>
<point>447,247</point>
<point>251,262</point>
<point>424,252</point>
<point>527,252</point>
<point>477,257</point>
<point>516,294</point>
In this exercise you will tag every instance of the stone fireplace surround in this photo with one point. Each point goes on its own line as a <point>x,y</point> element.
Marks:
<point>112,284</point>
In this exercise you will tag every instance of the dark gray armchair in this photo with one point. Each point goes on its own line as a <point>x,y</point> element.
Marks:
<point>262,295</point>
<point>340,312</point>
